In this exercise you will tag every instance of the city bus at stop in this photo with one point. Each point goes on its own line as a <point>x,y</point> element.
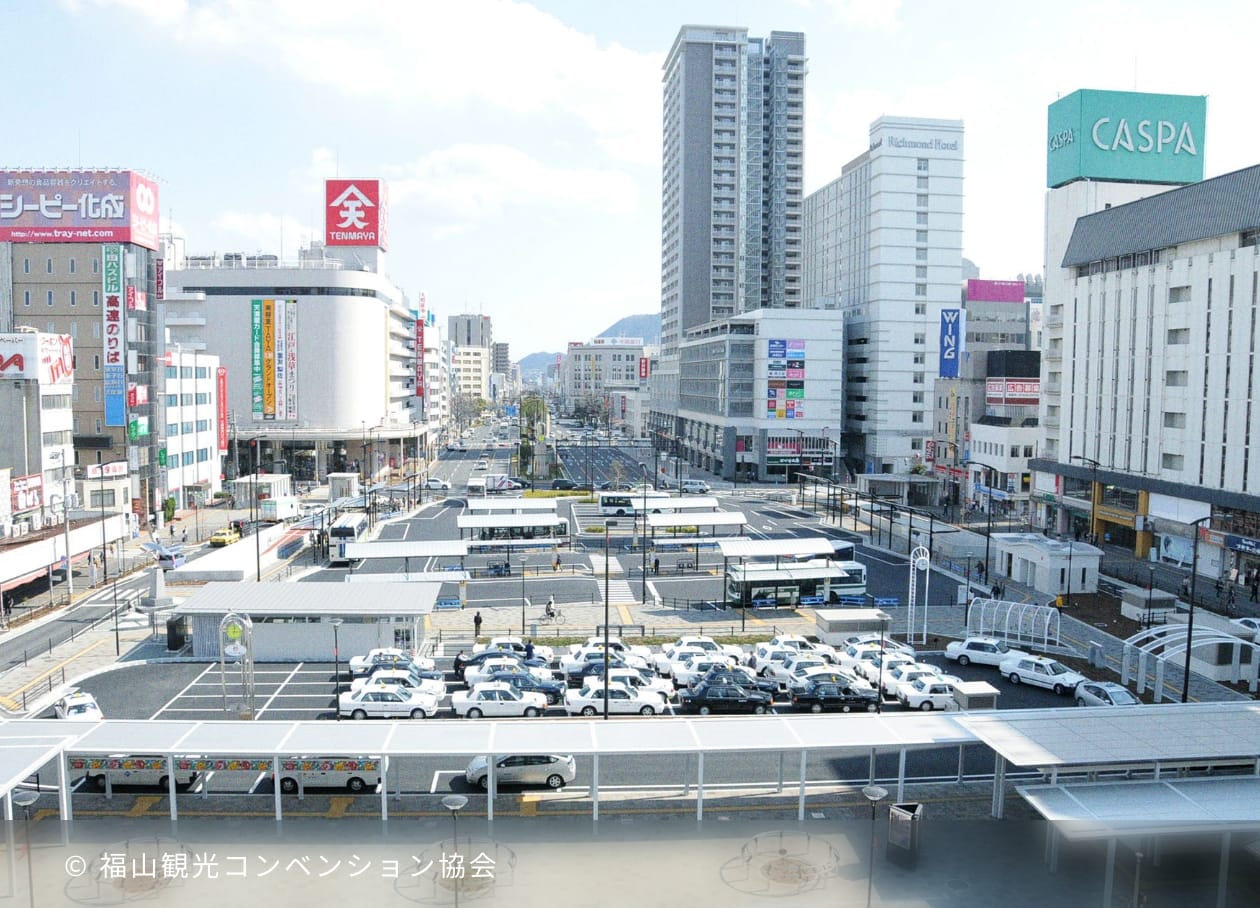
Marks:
<point>811,583</point>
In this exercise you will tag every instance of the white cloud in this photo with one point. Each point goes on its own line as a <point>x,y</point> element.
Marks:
<point>463,185</point>
<point>262,231</point>
<point>873,15</point>
<point>503,54</point>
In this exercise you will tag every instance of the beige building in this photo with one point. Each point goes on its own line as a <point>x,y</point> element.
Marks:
<point>471,371</point>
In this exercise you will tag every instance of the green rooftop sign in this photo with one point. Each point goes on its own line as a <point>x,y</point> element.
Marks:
<point>1127,137</point>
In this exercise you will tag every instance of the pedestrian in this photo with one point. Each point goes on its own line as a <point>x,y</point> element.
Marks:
<point>656,565</point>
<point>1255,589</point>
<point>477,624</point>
<point>555,565</point>
<point>184,536</point>
<point>529,650</point>
<point>1219,586</point>
<point>1229,601</point>
<point>172,529</point>
<point>460,661</point>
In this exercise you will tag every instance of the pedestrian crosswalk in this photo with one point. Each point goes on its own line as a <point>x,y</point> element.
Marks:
<point>619,592</point>
<point>597,566</point>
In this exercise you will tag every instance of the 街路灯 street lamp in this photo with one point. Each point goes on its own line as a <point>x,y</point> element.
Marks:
<point>336,626</point>
<point>643,470</point>
<point>874,794</point>
<point>1093,494</point>
<point>608,524</point>
<point>455,803</point>
<point>1194,576</point>
<point>988,568</point>
<point>524,561</point>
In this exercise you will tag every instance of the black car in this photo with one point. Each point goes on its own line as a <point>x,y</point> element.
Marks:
<point>722,698</point>
<point>718,675</point>
<point>578,672</point>
<point>563,484</point>
<point>552,690</point>
<point>828,696</point>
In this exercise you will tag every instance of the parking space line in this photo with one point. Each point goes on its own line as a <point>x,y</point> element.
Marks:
<point>272,698</point>
<point>437,775</point>
<point>187,688</point>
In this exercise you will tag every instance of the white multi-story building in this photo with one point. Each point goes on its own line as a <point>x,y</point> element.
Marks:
<point>193,428</point>
<point>885,243</point>
<point>470,371</point>
<point>763,391</point>
<point>731,183</point>
<point>1152,337</point>
<point>592,369</point>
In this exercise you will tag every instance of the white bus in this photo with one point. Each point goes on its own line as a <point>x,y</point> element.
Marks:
<point>816,582</point>
<point>618,504</point>
<point>348,528</point>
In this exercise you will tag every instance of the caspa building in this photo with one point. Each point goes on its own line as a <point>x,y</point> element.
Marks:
<point>320,352</point>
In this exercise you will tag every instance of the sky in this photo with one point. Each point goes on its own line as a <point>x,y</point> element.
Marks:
<point>521,142</point>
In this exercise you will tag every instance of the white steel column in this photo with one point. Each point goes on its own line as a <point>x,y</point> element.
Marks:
<point>1223,876</point>
<point>901,776</point>
<point>700,786</point>
<point>275,784</point>
<point>595,788</point>
<point>63,788</point>
<point>800,807</point>
<point>493,788</point>
<point>999,786</point>
<point>1109,874</point>
<point>384,788</point>
<point>170,785</point>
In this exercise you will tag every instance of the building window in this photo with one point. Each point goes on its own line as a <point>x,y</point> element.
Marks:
<point>74,301</point>
<point>920,339</point>
<point>96,330</point>
<point>919,359</point>
<point>96,266</point>
<point>26,266</point>
<point>50,298</point>
<point>921,165</point>
<point>920,254</point>
<point>1177,379</point>
<point>920,271</point>
<point>96,394</point>
<point>921,200</point>
<point>1172,461</point>
<point>1178,336</point>
<point>918,378</point>
<point>1028,450</point>
<point>920,308</point>
<point>920,218</point>
<point>920,236</point>
<point>26,297</point>
<point>96,298</point>
<point>96,362</point>
<point>916,416</point>
<point>916,397</point>
<point>48,267</point>
<point>1174,420</point>
<point>920,289</point>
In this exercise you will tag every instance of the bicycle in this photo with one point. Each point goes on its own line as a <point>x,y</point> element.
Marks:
<point>556,618</point>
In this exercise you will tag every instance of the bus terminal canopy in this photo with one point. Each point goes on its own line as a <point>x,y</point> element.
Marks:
<point>519,505</point>
<point>691,519</point>
<point>775,548</point>
<point>444,548</point>
<point>508,521</point>
<point>410,577</point>
<point>284,600</point>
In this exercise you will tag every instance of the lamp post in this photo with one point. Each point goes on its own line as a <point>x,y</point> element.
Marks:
<point>1150,592</point>
<point>524,561</point>
<point>644,511</point>
<point>1194,576</point>
<point>607,661</point>
<point>25,798</point>
<point>65,520</point>
<point>253,505</point>
<point>874,794</point>
<point>336,626</point>
<point>456,803</point>
<point>988,568</point>
<point>104,543</point>
<point>1093,493</point>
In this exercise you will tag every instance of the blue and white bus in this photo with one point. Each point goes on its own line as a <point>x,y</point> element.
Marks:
<point>817,582</point>
<point>348,528</point>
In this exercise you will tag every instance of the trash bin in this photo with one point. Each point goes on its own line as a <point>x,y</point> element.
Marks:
<point>175,635</point>
<point>904,832</point>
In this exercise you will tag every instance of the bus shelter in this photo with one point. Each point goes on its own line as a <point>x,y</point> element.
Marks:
<point>497,527</point>
<point>510,505</point>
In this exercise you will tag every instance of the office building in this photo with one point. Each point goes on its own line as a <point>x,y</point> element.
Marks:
<point>885,243</point>
<point>468,330</point>
<point>194,425</point>
<point>501,359</point>
<point>470,372</point>
<point>732,171</point>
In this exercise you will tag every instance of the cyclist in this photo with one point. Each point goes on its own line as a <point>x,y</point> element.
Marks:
<point>551,608</point>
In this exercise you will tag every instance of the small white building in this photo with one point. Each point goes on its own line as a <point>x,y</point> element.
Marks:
<point>194,426</point>
<point>1050,566</point>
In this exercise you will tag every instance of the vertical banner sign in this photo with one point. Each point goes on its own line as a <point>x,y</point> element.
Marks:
<point>221,401</point>
<point>290,357</point>
<point>785,379</point>
<point>269,358</point>
<point>951,342</point>
<point>280,364</point>
<point>256,358</point>
<point>114,336</point>
<point>420,348</point>
<point>644,367</point>
<point>159,278</point>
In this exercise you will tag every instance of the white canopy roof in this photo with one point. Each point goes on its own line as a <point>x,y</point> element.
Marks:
<point>775,548</point>
<point>698,519</point>
<point>416,548</point>
<point>493,521</point>
<point>259,600</point>
<point>518,505</point>
<point>409,577</point>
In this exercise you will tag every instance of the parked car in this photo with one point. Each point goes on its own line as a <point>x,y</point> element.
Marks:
<point>804,644</point>
<point>404,678</point>
<point>1105,693</point>
<point>515,645</point>
<point>526,681</point>
<point>575,665</point>
<point>1247,624</point>
<point>351,773</point>
<point>387,701</point>
<point>822,696</point>
<point>225,536</point>
<point>689,672</point>
<point>77,704</point>
<point>980,650</point>
<point>873,669</point>
<point>497,700</point>
<point>563,484</point>
<point>437,485</point>
<point>637,678</point>
<point>722,698</point>
<point>479,672</point>
<point>906,673</point>
<point>1041,671</point>
<point>622,700</point>
<point>742,676</point>
<point>830,674</point>
<point>391,656</point>
<point>552,770</point>
<point>927,694</point>
<point>619,647</point>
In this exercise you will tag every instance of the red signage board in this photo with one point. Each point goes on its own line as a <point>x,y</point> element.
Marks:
<point>1012,391</point>
<point>78,206</point>
<point>221,394</point>
<point>355,213</point>
<point>644,366</point>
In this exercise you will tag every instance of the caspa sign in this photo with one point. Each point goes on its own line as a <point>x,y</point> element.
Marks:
<point>1125,137</point>
<point>355,213</point>
<point>35,356</point>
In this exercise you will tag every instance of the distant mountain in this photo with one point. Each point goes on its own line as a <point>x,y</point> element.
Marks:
<point>536,364</point>
<point>647,327</point>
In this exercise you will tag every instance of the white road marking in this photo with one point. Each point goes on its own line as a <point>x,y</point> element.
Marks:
<point>187,687</point>
<point>437,775</point>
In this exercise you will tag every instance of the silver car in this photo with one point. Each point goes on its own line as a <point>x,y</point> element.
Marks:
<point>1105,693</point>
<point>552,770</point>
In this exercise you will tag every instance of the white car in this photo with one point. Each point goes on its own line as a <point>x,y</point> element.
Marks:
<point>877,638</point>
<point>787,672</point>
<point>765,659</point>
<point>829,673</point>
<point>584,654</point>
<point>640,680</point>
<point>691,671</point>
<point>798,642</point>
<point>388,655</point>
<point>668,658</point>
<point>552,770</point>
<point>515,645</point>
<point>1247,624</point>
<point>699,641</point>
<point>907,673</point>
<point>387,702</point>
<point>980,650</point>
<point>483,671</point>
<point>873,669</point>
<point>77,704</point>
<point>399,677</point>
<point>497,700</point>
<point>1040,671</point>
<point>437,485</point>
<point>616,646</point>
<point>589,701</point>
<point>927,694</point>
<point>1105,693</point>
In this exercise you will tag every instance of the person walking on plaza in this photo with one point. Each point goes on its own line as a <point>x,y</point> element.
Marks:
<point>529,650</point>
<point>460,661</point>
<point>477,625</point>
<point>656,565</point>
<point>555,565</point>
<point>1255,589</point>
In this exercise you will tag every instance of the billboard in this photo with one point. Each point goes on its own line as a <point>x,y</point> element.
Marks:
<point>419,339</point>
<point>355,213</point>
<point>951,344</point>
<point>785,379</point>
<point>1125,136</point>
<point>26,493</point>
<point>645,367</point>
<point>114,337</point>
<point>220,376</point>
<point>37,356</point>
<point>78,206</point>
<point>273,359</point>
<point>1012,391</point>
<point>995,291</point>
